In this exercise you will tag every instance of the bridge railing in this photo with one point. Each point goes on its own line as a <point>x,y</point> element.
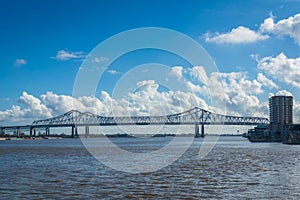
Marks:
<point>192,116</point>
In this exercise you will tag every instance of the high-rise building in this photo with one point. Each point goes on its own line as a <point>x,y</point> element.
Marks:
<point>281,109</point>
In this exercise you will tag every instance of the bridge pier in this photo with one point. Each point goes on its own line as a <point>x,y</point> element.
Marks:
<point>72,134</point>
<point>197,130</point>
<point>2,132</point>
<point>47,131</point>
<point>32,132</point>
<point>87,131</point>
<point>74,131</point>
<point>18,132</point>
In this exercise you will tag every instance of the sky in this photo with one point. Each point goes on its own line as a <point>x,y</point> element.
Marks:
<point>254,44</point>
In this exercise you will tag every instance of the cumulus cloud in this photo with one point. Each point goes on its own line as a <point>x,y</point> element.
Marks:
<point>239,35</point>
<point>296,112</point>
<point>242,35</point>
<point>289,26</point>
<point>199,73</point>
<point>64,55</point>
<point>266,82</point>
<point>147,100</point>
<point>235,89</point>
<point>284,93</point>
<point>282,68</point>
<point>15,114</point>
<point>20,62</point>
<point>34,107</point>
<point>177,71</point>
<point>240,93</point>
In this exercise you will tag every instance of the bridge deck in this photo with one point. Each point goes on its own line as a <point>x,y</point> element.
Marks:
<point>190,117</point>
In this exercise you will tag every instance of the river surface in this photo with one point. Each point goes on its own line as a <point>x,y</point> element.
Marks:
<point>234,169</point>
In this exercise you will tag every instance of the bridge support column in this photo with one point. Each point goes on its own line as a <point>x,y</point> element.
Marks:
<point>47,131</point>
<point>18,132</point>
<point>74,131</point>
<point>196,130</point>
<point>202,130</point>
<point>2,132</point>
<point>32,132</point>
<point>87,131</point>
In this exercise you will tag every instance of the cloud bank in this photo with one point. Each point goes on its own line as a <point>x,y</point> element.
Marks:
<point>235,89</point>
<point>289,26</point>
<point>244,35</point>
<point>282,68</point>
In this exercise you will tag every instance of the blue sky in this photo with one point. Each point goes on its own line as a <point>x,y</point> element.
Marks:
<point>43,43</point>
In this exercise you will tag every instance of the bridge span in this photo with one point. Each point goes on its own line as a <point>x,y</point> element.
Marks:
<point>195,116</point>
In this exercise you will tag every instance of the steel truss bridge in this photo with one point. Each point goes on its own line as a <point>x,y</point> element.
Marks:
<point>195,116</point>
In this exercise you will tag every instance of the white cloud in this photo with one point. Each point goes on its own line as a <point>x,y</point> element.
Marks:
<point>289,26</point>
<point>147,100</point>
<point>147,83</point>
<point>284,93</point>
<point>20,62</point>
<point>34,106</point>
<point>112,71</point>
<point>266,82</point>
<point>296,112</point>
<point>239,35</point>
<point>234,89</point>
<point>15,114</point>
<point>282,68</point>
<point>33,109</point>
<point>199,73</point>
<point>240,93</point>
<point>100,59</point>
<point>177,71</point>
<point>67,55</point>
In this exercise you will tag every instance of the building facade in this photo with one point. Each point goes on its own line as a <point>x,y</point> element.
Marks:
<point>281,109</point>
<point>281,127</point>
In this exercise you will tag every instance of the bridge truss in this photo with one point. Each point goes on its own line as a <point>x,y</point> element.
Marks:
<point>192,116</point>
<point>195,116</point>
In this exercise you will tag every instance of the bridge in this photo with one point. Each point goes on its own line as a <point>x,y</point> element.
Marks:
<point>195,116</point>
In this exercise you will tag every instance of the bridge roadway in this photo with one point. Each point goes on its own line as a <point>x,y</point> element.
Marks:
<point>195,116</point>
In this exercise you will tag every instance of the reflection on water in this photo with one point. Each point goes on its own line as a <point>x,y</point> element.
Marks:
<point>234,169</point>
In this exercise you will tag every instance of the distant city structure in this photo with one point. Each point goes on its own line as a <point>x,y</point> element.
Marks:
<point>281,127</point>
<point>281,109</point>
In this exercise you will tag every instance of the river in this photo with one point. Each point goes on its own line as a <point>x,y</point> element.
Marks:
<point>234,169</point>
